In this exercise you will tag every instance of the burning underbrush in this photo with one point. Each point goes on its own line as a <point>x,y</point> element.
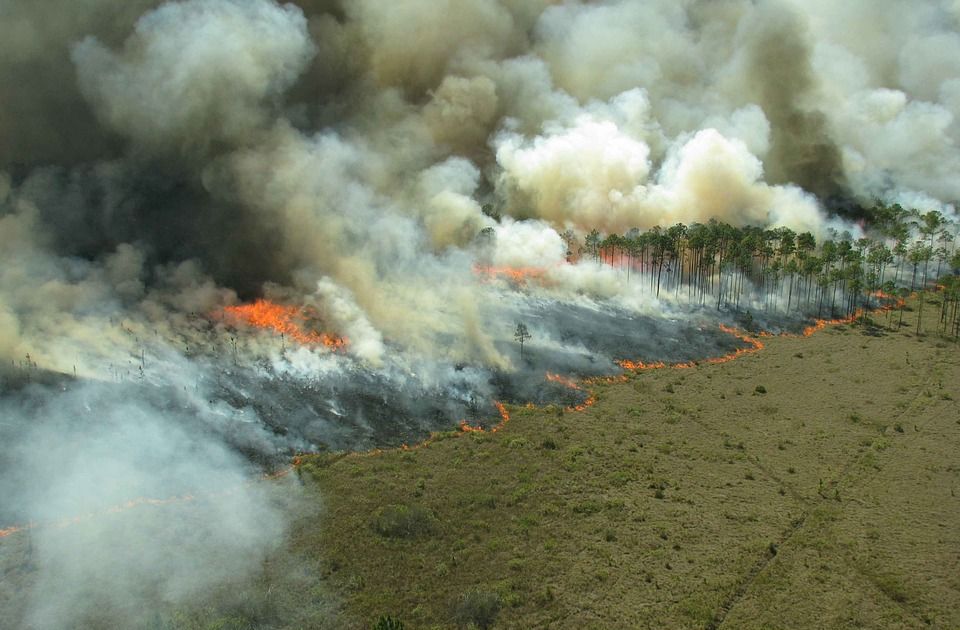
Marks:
<point>318,396</point>
<point>313,395</point>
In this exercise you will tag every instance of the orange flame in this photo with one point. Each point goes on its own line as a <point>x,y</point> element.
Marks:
<point>563,380</point>
<point>516,275</point>
<point>464,427</point>
<point>139,502</point>
<point>287,320</point>
<point>12,530</point>
<point>571,384</point>
<point>754,345</point>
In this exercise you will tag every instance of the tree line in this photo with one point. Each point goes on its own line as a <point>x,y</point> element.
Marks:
<point>782,271</point>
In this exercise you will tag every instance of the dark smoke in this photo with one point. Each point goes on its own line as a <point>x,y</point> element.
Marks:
<point>802,152</point>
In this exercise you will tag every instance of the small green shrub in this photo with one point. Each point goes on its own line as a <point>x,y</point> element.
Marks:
<point>404,521</point>
<point>588,507</point>
<point>386,622</point>
<point>478,608</point>
<point>760,389</point>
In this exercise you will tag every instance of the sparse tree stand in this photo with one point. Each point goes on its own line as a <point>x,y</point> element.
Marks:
<point>521,334</point>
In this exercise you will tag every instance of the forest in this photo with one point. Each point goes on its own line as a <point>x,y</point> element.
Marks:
<point>788,273</point>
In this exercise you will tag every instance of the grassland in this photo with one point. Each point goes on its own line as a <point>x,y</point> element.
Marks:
<point>811,485</point>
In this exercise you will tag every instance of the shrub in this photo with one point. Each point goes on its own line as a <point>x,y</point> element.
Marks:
<point>476,607</point>
<point>760,389</point>
<point>548,444</point>
<point>402,521</point>
<point>386,622</point>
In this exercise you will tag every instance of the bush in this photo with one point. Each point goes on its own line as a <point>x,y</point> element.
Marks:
<point>386,622</point>
<point>760,389</point>
<point>476,607</point>
<point>403,521</point>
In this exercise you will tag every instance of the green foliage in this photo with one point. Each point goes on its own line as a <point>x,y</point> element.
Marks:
<point>386,622</point>
<point>478,608</point>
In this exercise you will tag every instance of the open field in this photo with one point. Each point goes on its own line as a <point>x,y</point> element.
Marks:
<point>812,484</point>
<point>681,499</point>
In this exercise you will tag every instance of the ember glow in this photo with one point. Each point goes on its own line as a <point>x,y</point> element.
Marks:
<point>504,419</point>
<point>141,502</point>
<point>290,321</point>
<point>753,345</point>
<point>569,383</point>
<point>515,275</point>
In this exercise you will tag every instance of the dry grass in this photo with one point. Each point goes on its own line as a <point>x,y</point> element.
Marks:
<point>812,485</point>
<point>682,499</point>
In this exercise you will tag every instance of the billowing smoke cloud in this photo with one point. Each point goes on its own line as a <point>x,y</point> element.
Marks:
<point>196,73</point>
<point>410,178</point>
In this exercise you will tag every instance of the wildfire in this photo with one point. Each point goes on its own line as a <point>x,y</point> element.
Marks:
<point>571,384</point>
<point>753,345</point>
<point>516,275</point>
<point>286,320</point>
<point>140,502</point>
<point>10,530</point>
<point>563,380</point>
<point>464,428</point>
<point>640,365</point>
<point>73,520</point>
<point>504,419</point>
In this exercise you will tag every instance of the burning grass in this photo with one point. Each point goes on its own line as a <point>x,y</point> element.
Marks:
<point>640,511</point>
<point>291,321</point>
<point>637,514</point>
<point>516,275</point>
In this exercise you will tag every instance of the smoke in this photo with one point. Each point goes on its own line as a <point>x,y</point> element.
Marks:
<point>776,54</point>
<point>412,177</point>
<point>195,74</point>
<point>104,456</point>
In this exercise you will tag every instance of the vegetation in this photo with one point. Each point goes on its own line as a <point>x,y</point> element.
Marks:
<point>522,335</point>
<point>388,623</point>
<point>823,501</point>
<point>403,521</point>
<point>784,271</point>
<point>477,609</point>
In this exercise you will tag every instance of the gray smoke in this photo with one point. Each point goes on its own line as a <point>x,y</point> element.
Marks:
<point>133,505</point>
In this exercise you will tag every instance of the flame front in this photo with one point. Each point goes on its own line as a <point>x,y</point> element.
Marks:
<point>569,383</point>
<point>516,275</point>
<point>286,320</point>
<point>754,345</point>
